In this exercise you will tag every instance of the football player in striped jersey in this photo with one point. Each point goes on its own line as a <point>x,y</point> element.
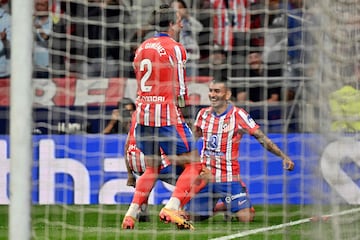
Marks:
<point>222,125</point>
<point>159,66</point>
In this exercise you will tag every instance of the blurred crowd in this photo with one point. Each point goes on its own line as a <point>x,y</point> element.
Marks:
<point>267,41</point>
<point>265,48</point>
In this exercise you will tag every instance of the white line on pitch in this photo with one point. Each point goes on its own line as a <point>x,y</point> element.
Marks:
<point>264,229</point>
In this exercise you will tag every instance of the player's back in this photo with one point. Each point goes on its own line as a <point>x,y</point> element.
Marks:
<point>159,68</point>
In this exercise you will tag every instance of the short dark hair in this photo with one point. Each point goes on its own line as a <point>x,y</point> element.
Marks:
<point>163,16</point>
<point>222,80</point>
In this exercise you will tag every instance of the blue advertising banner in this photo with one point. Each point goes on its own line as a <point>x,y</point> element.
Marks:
<point>90,169</point>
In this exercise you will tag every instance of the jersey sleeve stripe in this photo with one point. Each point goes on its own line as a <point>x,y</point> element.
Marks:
<point>180,70</point>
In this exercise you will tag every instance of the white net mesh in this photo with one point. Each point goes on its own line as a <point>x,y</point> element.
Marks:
<point>287,60</point>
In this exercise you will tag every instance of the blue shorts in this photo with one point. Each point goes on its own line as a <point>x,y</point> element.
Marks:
<point>170,174</point>
<point>232,194</point>
<point>173,140</point>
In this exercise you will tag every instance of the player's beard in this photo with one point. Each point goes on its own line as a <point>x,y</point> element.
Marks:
<point>219,105</point>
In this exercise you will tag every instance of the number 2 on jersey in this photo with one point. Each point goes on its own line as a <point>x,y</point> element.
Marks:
<point>145,63</point>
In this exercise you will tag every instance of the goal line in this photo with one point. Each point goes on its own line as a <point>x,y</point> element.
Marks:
<point>279,226</point>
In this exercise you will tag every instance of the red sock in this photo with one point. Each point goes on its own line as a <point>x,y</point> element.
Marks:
<point>197,185</point>
<point>185,182</point>
<point>144,185</point>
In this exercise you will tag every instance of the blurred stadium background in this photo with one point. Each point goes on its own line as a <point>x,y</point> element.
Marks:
<point>308,49</point>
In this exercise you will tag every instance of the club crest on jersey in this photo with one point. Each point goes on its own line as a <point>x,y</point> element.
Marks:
<point>226,128</point>
<point>213,142</point>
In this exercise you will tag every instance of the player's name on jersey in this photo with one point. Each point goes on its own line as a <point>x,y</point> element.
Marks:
<point>157,46</point>
<point>153,98</point>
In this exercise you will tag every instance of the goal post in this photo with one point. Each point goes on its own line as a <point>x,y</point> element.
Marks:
<point>21,120</point>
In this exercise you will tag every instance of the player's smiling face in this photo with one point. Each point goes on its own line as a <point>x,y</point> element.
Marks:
<point>219,96</point>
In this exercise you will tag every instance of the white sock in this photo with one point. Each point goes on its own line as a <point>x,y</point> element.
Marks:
<point>173,203</point>
<point>133,210</point>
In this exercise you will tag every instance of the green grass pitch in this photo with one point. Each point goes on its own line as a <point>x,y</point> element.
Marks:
<point>103,222</point>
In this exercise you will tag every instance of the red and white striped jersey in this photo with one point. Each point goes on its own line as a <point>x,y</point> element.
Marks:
<point>234,17</point>
<point>135,156</point>
<point>221,138</point>
<point>159,65</point>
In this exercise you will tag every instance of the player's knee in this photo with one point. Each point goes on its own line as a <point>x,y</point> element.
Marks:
<point>246,215</point>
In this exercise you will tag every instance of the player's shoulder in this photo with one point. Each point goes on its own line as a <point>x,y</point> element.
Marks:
<point>148,41</point>
<point>143,45</point>
<point>171,43</point>
<point>205,110</point>
<point>240,111</point>
<point>244,117</point>
<point>203,113</point>
<point>180,45</point>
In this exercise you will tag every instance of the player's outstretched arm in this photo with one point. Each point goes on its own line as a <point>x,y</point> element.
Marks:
<point>266,142</point>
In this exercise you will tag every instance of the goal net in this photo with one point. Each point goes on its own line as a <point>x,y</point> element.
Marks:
<point>294,65</point>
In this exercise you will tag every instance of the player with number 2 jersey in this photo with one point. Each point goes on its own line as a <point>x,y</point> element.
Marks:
<point>159,65</point>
